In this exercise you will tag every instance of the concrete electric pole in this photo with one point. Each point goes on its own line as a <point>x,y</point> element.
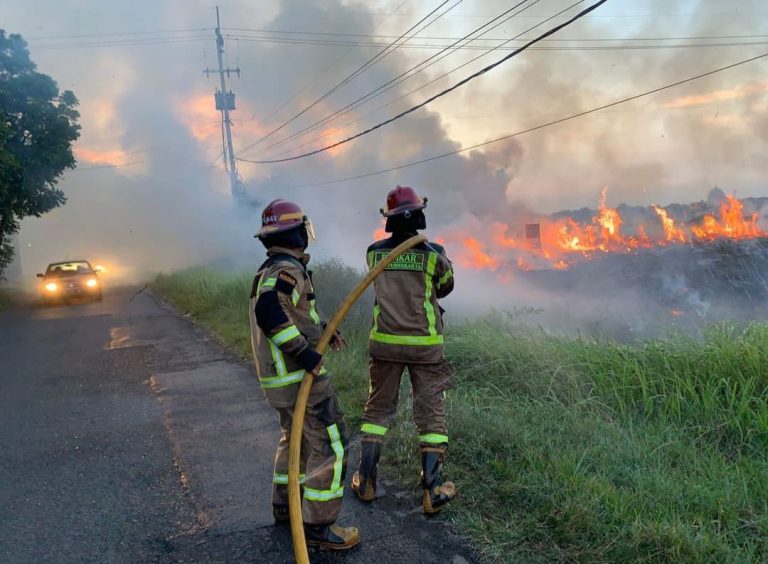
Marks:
<point>225,103</point>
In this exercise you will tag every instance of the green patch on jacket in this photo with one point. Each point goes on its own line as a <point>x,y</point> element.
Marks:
<point>406,261</point>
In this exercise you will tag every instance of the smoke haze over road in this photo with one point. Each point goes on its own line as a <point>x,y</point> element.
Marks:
<point>148,110</point>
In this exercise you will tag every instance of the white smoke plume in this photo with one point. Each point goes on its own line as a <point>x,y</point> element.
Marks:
<point>149,109</point>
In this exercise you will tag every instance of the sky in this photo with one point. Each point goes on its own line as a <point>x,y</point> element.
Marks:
<point>150,192</point>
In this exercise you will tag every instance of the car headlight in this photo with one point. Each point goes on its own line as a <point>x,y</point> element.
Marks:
<point>51,286</point>
<point>92,283</point>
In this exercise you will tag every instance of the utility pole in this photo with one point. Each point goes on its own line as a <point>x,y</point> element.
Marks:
<point>225,103</point>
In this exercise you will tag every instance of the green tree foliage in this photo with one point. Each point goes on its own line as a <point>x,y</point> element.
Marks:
<point>38,125</point>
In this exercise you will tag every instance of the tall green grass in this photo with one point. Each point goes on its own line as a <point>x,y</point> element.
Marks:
<point>569,449</point>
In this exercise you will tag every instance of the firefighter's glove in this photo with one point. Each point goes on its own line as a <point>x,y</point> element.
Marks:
<point>310,360</point>
<point>338,342</point>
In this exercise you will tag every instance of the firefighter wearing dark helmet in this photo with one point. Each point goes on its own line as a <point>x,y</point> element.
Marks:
<point>407,333</point>
<point>285,329</point>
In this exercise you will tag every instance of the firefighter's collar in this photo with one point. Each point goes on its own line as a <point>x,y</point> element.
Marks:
<point>295,253</point>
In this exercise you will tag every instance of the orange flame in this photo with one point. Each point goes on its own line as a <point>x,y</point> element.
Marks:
<point>473,256</point>
<point>732,224</point>
<point>672,233</point>
<point>380,233</point>
<point>564,242</point>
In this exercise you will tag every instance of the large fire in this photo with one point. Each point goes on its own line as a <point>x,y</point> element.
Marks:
<point>560,243</point>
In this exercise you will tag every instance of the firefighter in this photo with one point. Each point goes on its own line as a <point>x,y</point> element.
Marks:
<point>285,329</point>
<point>407,333</point>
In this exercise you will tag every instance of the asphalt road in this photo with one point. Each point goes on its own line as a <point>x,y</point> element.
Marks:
<point>128,435</point>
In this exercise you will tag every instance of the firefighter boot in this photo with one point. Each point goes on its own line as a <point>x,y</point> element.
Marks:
<point>364,480</point>
<point>331,537</point>
<point>437,493</point>
<point>281,514</point>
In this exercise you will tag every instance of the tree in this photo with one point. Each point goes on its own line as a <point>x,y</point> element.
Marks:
<point>38,125</point>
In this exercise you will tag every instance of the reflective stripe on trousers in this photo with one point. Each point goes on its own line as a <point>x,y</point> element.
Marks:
<point>337,488</point>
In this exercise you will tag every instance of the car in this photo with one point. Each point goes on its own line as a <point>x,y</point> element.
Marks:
<point>70,280</point>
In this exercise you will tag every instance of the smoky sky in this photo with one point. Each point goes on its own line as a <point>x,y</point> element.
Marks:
<point>150,108</point>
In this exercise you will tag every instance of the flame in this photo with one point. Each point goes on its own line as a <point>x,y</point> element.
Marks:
<point>672,233</point>
<point>732,224</point>
<point>473,256</point>
<point>565,242</point>
<point>380,233</point>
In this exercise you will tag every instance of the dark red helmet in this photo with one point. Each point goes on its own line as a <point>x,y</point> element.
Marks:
<point>282,215</point>
<point>403,199</point>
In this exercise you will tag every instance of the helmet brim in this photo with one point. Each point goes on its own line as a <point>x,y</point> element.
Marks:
<point>272,229</point>
<point>404,208</point>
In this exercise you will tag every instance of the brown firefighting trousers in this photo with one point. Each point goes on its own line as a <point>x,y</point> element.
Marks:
<point>429,382</point>
<point>323,464</point>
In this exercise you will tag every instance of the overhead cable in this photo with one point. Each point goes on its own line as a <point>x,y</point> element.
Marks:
<point>530,129</point>
<point>411,72</point>
<point>369,63</point>
<point>324,71</point>
<point>442,46</point>
<point>412,109</point>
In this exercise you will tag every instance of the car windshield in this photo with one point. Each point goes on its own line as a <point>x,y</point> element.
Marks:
<point>63,269</point>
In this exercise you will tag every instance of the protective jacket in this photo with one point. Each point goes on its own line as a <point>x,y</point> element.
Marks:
<point>407,319</point>
<point>285,325</point>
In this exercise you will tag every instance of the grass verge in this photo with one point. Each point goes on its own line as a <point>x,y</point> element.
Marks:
<point>569,449</point>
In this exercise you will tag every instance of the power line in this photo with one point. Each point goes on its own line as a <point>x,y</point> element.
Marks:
<point>388,104</point>
<point>373,43</point>
<point>443,47</point>
<point>420,67</point>
<point>116,43</point>
<point>100,167</point>
<point>132,163</point>
<point>369,63</point>
<point>530,129</point>
<point>311,38</point>
<point>471,77</point>
<point>117,33</point>
<point>323,71</point>
<point>205,30</point>
<point>408,94</point>
<point>443,38</point>
<point>363,44</point>
<point>124,165</point>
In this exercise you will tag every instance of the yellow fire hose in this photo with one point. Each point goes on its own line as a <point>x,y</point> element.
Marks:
<point>294,453</point>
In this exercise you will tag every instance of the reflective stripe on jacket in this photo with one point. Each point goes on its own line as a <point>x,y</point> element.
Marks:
<point>275,352</point>
<point>407,319</point>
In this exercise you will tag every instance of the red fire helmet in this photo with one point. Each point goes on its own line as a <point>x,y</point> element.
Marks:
<point>403,199</point>
<point>282,215</point>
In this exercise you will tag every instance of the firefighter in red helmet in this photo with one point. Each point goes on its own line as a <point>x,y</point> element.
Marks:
<point>285,329</point>
<point>407,334</point>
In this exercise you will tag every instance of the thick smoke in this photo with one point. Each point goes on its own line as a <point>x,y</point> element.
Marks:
<point>150,107</point>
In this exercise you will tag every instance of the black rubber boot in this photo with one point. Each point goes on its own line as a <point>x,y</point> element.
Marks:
<point>364,480</point>
<point>437,493</point>
<point>332,537</point>
<point>281,514</point>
